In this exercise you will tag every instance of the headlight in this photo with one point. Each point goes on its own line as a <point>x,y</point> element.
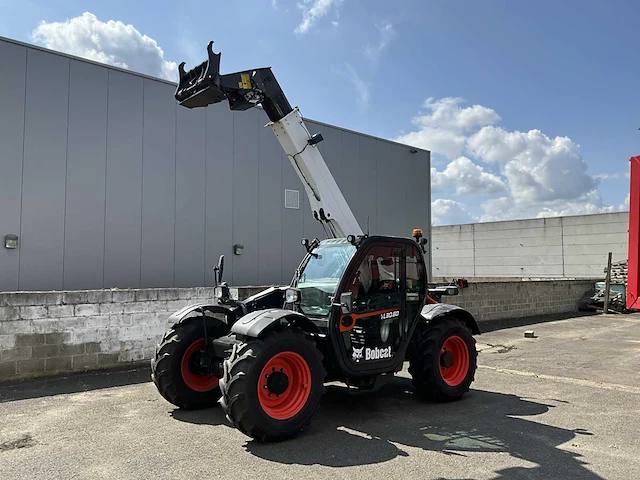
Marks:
<point>292,295</point>
<point>217,292</point>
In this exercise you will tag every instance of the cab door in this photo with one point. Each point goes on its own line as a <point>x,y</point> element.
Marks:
<point>371,335</point>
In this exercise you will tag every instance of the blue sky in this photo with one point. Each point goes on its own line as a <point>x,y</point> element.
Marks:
<point>529,107</point>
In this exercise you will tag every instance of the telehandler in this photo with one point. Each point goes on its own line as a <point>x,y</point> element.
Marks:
<point>358,306</point>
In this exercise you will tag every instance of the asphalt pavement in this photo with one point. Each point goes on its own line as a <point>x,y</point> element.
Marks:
<point>562,405</point>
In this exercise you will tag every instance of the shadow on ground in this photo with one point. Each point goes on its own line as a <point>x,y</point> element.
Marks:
<point>72,383</point>
<point>502,324</point>
<point>374,428</point>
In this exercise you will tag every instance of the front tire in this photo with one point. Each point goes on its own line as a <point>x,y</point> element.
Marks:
<point>271,387</point>
<point>171,369</point>
<point>443,360</point>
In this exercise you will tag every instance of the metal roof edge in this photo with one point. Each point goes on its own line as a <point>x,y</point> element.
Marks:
<point>526,219</point>
<point>174,84</point>
<point>85,60</point>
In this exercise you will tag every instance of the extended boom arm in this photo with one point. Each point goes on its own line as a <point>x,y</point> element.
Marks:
<point>203,86</point>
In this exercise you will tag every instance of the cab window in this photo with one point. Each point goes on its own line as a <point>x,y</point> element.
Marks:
<point>377,282</point>
<point>415,273</point>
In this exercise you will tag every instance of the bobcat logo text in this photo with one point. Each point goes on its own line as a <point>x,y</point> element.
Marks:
<point>371,353</point>
<point>357,354</point>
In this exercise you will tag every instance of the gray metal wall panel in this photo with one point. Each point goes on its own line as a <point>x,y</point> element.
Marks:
<point>190,197</point>
<point>368,183</point>
<point>124,181</point>
<point>245,196</point>
<point>420,200</point>
<point>12,91</point>
<point>270,204</point>
<point>219,174</point>
<point>351,177</point>
<point>414,169</point>
<point>86,164</point>
<point>389,203</point>
<point>45,156</point>
<point>158,185</point>
<point>109,219</point>
<point>292,223</point>
<point>331,149</point>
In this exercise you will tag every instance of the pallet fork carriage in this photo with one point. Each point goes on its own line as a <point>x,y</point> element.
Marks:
<point>358,305</point>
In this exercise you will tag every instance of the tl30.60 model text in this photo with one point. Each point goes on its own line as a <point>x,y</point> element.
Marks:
<point>358,306</point>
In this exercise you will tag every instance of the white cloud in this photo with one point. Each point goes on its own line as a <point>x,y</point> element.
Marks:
<point>501,208</point>
<point>362,87</point>
<point>541,175</point>
<point>112,42</point>
<point>611,175</point>
<point>436,140</point>
<point>625,205</point>
<point>467,178</point>
<point>443,125</point>
<point>447,113</point>
<point>607,176</point>
<point>574,208</point>
<point>312,11</point>
<point>537,167</point>
<point>386,33</point>
<point>448,211</point>
<point>504,208</point>
<point>445,211</point>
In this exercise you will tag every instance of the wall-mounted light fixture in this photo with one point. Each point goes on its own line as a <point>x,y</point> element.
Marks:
<point>11,241</point>
<point>238,249</point>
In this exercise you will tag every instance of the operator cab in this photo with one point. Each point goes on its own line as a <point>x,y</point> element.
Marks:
<point>369,292</point>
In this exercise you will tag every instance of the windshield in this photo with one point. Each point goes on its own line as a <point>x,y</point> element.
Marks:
<point>321,276</point>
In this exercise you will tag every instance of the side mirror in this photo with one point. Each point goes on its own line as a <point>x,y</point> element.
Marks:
<point>445,290</point>
<point>346,302</point>
<point>220,268</point>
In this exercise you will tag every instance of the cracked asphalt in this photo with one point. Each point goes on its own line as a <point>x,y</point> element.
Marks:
<point>562,405</point>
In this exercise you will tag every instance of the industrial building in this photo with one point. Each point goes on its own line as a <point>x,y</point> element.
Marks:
<point>107,182</point>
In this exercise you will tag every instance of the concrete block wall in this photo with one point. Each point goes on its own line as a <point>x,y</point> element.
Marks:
<point>52,332</point>
<point>518,299</point>
<point>43,333</point>
<point>561,247</point>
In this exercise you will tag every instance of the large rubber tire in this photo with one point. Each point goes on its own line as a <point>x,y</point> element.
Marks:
<point>431,380</point>
<point>169,368</point>
<point>244,396</point>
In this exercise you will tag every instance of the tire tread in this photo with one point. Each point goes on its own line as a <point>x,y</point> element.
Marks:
<point>425,352</point>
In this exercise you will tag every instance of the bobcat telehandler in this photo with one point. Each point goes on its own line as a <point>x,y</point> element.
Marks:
<point>357,307</point>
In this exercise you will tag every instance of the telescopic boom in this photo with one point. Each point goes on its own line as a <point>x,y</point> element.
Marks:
<point>203,86</point>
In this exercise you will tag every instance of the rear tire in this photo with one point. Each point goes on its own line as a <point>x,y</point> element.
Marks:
<point>440,376</point>
<point>255,372</point>
<point>170,368</point>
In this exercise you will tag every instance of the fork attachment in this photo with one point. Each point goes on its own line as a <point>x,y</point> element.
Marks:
<point>203,85</point>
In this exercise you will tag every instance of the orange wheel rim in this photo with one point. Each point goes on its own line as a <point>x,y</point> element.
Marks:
<point>199,383</point>
<point>284,385</point>
<point>454,360</point>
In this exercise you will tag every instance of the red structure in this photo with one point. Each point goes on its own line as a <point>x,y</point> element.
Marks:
<point>633,285</point>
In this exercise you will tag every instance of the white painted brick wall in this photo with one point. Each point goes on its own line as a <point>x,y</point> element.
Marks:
<point>70,332</point>
<point>571,247</point>
<point>85,329</point>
